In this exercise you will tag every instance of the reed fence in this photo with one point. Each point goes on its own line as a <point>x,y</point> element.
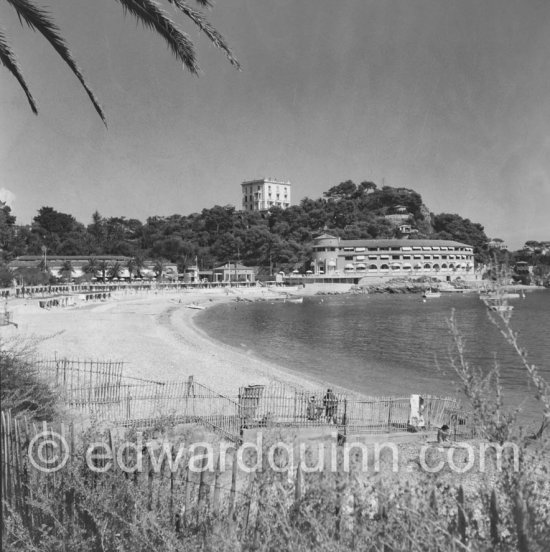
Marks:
<point>74,378</point>
<point>180,490</point>
<point>180,495</point>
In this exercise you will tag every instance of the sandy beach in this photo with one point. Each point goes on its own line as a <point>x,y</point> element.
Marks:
<point>154,334</point>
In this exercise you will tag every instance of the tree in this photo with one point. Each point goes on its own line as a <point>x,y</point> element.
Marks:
<point>115,270</point>
<point>66,269</point>
<point>103,266</point>
<point>159,267</point>
<point>368,186</point>
<point>7,221</point>
<point>91,267</point>
<point>148,12</point>
<point>54,222</point>
<point>139,265</point>
<point>344,190</point>
<point>131,266</point>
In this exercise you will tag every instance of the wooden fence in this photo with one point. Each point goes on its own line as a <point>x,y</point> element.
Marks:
<point>75,378</point>
<point>281,405</point>
<point>99,390</point>
<point>177,489</point>
<point>182,496</point>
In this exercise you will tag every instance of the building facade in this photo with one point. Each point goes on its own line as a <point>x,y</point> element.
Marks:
<point>234,272</point>
<point>392,258</point>
<point>262,194</point>
<point>56,263</point>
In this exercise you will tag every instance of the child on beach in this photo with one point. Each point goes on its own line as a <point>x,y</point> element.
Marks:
<point>443,434</point>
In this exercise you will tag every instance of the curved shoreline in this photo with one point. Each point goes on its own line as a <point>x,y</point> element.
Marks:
<point>155,335</point>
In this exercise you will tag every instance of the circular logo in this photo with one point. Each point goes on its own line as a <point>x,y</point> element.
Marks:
<point>48,451</point>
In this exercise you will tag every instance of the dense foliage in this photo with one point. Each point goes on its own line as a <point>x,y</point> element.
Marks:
<point>274,239</point>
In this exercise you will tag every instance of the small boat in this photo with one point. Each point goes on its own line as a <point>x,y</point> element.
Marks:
<point>298,300</point>
<point>500,308</point>
<point>431,294</point>
<point>195,306</point>
<point>492,295</point>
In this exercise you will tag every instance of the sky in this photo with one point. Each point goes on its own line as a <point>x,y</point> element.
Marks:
<point>448,97</point>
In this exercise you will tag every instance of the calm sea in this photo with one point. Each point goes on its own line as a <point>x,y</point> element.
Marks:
<point>387,344</point>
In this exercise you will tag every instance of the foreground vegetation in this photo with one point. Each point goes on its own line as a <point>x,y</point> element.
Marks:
<point>413,509</point>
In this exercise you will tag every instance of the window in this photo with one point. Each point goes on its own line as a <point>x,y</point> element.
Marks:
<point>395,257</point>
<point>406,257</point>
<point>350,258</point>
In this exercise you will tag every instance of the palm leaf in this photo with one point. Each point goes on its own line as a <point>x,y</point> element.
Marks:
<point>215,37</point>
<point>9,61</point>
<point>151,15</point>
<point>38,20</point>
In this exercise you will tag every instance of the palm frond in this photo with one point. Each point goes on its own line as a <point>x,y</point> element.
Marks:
<point>7,57</point>
<point>39,20</point>
<point>202,23</point>
<point>151,15</point>
<point>205,3</point>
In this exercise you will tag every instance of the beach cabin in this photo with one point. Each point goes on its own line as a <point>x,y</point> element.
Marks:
<point>234,272</point>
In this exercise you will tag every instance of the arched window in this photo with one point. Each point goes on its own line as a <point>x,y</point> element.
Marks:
<point>427,266</point>
<point>384,267</point>
<point>373,267</point>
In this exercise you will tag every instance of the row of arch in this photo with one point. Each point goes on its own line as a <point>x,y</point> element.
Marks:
<point>418,266</point>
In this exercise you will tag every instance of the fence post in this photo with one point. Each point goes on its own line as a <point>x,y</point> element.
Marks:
<point>216,498</point>
<point>190,387</point>
<point>493,514</point>
<point>298,484</point>
<point>203,487</point>
<point>187,496</point>
<point>234,469</point>
<point>128,403</point>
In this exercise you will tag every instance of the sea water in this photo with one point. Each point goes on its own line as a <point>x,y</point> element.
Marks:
<point>389,344</point>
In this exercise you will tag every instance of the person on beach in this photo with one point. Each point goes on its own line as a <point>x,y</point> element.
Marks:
<point>311,409</point>
<point>330,402</point>
<point>443,434</point>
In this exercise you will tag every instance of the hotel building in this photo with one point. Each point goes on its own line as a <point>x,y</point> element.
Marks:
<point>262,194</point>
<point>392,258</point>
